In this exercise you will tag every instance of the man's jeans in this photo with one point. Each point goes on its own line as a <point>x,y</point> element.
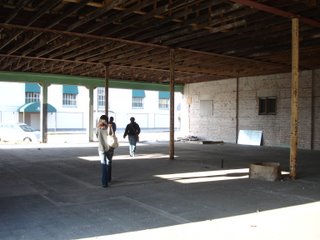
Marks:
<point>132,145</point>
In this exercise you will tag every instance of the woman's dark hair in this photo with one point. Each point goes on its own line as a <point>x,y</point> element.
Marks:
<point>104,117</point>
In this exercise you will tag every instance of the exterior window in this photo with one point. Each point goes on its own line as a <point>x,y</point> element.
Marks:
<point>32,97</point>
<point>164,98</point>
<point>163,103</point>
<point>69,98</point>
<point>267,105</point>
<point>32,92</point>
<point>137,102</point>
<point>137,99</point>
<point>101,97</point>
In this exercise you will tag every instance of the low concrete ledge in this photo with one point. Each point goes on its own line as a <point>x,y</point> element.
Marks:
<point>268,171</point>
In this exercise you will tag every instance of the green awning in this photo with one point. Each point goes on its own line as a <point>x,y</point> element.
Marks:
<point>164,95</point>
<point>138,93</point>
<point>34,107</point>
<point>70,89</point>
<point>44,78</point>
<point>32,87</point>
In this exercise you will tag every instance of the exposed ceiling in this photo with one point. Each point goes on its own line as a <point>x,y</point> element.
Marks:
<point>212,40</point>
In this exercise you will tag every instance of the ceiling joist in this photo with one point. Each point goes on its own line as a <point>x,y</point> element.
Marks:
<point>212,39</point>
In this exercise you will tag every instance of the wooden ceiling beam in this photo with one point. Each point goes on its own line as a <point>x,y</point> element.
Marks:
<point>52,24</point>
<point>35,17</point>
<point>100,54</point>
<point>203,33</point>
<point>278,12</point>
<point>48,59</point>
<point>90,17</point>
<point>175,26</point>
<point>91,3</point>
<point>79,49</point>
<point>20,5</point>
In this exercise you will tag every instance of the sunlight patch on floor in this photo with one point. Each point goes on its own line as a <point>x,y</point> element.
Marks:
<point>126,157</point>
<point>207,176</point>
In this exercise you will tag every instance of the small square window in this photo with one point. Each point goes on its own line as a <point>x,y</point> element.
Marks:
<point>137,102</point>
<point>69,100</point>
<point>32,97</point>
<point>267,105</point>
<point>164,103</point>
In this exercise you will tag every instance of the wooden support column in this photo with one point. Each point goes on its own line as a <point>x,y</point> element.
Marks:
<point>106,91</point>
<point>294,98</point>
<point>237,109</point>
<point>172,60</point>
<point>90,122</point>
<point>313,108</point>
<point>44,113</point>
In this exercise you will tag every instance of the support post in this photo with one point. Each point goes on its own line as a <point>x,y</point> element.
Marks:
<point>237,110</point>
<point>106,91</point>
<point>44,113</point>
<point>294,98</point>
<point>313,109</point>
<point>172,60</point>
<point>90,123</point>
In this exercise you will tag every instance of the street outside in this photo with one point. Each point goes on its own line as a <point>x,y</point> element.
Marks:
<point>146,135</point>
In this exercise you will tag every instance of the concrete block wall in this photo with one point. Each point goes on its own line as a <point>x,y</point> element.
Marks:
<point>276,128</point>
<point>316,110</point>
<point>222,121</point>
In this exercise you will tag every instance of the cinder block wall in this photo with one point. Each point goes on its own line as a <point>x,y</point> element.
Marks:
<point>221,124</point>
<point>316,110</point>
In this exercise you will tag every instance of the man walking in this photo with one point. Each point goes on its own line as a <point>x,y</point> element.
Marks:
<point>133,131</point>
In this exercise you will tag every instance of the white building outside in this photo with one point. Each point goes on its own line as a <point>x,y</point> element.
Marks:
<point>151,109</point>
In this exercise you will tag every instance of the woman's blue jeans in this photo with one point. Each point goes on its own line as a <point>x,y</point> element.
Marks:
<point>104,168</point>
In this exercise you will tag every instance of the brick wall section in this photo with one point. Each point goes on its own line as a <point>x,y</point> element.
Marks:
<point>316,109</point>
<point>222,122</point>
<point>276,128</point>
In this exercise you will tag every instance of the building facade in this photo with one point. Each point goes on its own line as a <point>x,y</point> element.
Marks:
<point>68,106</point>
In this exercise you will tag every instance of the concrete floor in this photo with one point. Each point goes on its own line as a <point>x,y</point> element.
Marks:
<point>52,191</point>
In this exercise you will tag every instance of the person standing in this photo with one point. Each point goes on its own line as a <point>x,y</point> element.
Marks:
<point>113,124</point>
<point>103,148</point>
<point>110,152</point>
<point>133,131</point>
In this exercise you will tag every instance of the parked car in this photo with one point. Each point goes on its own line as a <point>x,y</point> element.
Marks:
<point>18,132</point>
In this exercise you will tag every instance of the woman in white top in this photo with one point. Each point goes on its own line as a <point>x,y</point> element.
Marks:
<point>103,148</point>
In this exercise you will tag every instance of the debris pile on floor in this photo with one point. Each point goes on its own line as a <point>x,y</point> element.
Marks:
<point>188,138</point>
<point>195,139</point>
